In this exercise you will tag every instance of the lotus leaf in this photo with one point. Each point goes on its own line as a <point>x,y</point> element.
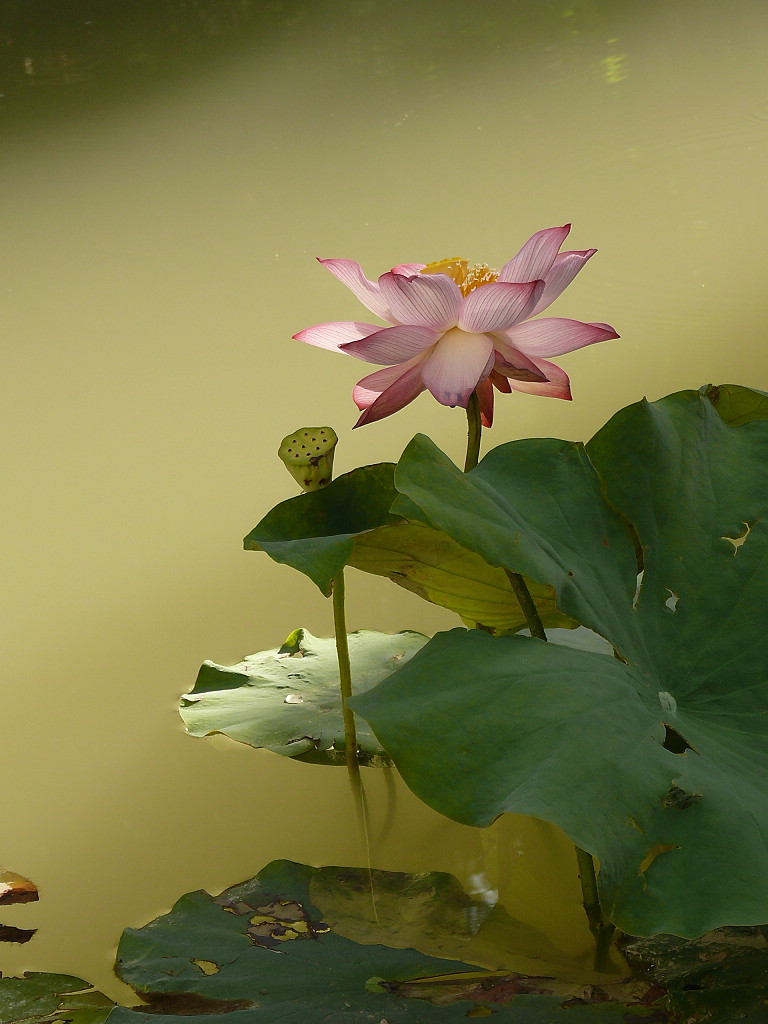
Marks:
<point>264,951</point>
<point>288,699</point>
<point>349,523</point>
<point>655,760</point>
<point>51,999</point>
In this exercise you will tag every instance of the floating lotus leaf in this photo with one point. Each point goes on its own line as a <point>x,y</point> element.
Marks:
<point>656,760</point>
<point>265,951</point>
<point>288,699</point>
<point>51,999</point>
<point>721,977</point>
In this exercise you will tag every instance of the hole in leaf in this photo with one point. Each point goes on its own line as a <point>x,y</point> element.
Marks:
<point>679,798</point>
<point>207,967</point>
<point>674,742</point>
<point>738,541</point>
<point>638,588</point>
<point>671,601</point>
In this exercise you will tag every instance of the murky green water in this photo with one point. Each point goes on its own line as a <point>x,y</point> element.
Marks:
<point>167,180</point>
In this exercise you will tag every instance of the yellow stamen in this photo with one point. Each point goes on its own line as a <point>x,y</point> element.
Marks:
<point>466,277</point>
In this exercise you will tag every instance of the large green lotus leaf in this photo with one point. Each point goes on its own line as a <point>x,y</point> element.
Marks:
<point>314,532</point>
<point>51,999</point>
<point>349,522</point>
<point>434,566</point>
<point>655,762</point>
<point>535,507</point>
<point>288,699</point>
<point>264,951</point>
<point>736,404</point>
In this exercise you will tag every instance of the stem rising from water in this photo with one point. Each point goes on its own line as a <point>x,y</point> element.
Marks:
<point>345,674</point>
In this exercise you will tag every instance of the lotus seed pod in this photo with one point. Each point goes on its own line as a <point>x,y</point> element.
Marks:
<point>308,455</point>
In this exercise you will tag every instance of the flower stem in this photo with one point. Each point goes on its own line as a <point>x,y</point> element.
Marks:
<point>474,431</point>
<point>350,733</point>
<point>345,674</point>
<point>602,929</point>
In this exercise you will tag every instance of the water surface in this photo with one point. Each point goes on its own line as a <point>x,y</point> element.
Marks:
<point>166,185</point>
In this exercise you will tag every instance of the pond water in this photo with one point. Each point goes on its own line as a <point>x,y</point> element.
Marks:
<point>168,176</point>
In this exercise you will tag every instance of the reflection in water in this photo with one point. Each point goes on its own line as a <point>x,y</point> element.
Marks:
<point>166,187</point>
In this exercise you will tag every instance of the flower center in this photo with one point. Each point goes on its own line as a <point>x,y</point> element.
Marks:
<point>466,277</point>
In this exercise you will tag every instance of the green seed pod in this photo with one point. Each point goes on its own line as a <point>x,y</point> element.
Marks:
<point>308,456</point>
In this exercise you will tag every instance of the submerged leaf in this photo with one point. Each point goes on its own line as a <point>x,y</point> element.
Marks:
<point>656,761</point>
<point>432,913</point>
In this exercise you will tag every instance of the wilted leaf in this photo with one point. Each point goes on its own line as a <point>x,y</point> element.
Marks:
<point>16,889</point>
<point>719,978</point>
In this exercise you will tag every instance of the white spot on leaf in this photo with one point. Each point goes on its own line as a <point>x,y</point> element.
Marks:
<point>667,701</point>
<point>671,601</point>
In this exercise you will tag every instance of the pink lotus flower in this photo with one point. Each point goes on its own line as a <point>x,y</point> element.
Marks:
<point>456,329</point>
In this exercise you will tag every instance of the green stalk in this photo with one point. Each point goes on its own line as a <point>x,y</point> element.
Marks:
<point>589,894</point>
<point>350,732</point>
<point>527,604</point>
<point>602,929</point>
<point>474,432</point>
<point>345,674</point>
<point>311,464</point>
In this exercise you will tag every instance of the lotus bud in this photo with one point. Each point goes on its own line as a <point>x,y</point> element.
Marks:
<point>308,456</point>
